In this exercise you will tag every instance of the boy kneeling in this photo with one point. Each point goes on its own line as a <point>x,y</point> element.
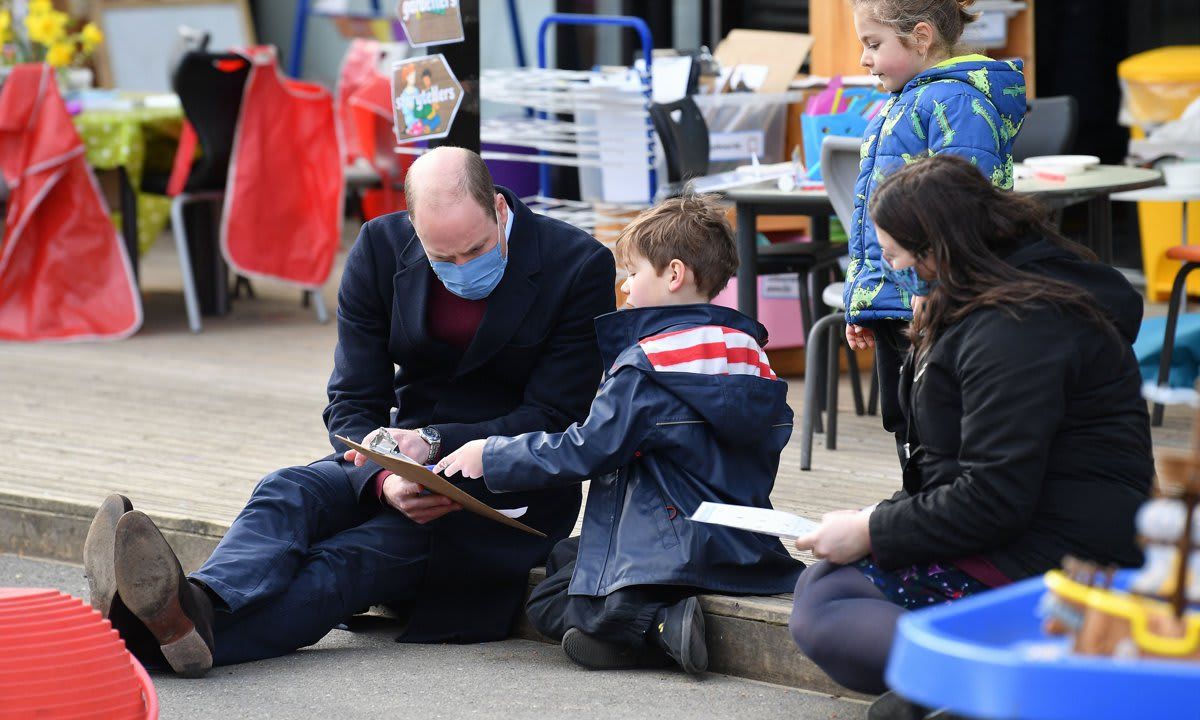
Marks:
<point>689,411</point>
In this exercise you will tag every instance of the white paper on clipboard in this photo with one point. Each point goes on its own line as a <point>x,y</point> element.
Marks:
<point>759,520</point>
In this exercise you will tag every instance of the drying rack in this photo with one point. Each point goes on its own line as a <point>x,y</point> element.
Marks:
<point>556,125</point>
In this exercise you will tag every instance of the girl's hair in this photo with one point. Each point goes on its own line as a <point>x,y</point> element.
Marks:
<point>947,17</point>
<point>943,207</point>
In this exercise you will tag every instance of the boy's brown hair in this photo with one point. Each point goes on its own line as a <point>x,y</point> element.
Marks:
<point>691,229</point>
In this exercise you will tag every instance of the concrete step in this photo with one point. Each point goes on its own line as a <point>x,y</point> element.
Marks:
<point>747,636</point>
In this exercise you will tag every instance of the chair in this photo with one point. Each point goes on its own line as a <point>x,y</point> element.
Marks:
<point>684,135</point>
<point>1189,255</point>
<point>209,86</point>
<point>1048,129</point>
<point>839,168</point>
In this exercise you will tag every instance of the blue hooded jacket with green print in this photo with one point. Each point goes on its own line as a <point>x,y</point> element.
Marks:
<point>972,107</point>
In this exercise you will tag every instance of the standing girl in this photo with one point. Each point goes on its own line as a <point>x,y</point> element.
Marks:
<point>968,105</point>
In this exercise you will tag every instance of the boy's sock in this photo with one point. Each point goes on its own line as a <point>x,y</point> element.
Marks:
<point>679,631</point>
<point>596,654</point>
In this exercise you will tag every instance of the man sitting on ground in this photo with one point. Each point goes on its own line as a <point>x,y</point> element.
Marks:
<point>473,317</point>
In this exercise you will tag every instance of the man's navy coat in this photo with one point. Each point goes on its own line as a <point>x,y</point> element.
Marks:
<point>533,365</point>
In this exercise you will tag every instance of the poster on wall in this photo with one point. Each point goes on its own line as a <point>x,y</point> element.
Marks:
<point>425,98</point>
<point>430,22</point>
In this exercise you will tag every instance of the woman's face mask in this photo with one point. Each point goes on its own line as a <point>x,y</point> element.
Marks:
<point>905,278</point>
<point>908,280</point>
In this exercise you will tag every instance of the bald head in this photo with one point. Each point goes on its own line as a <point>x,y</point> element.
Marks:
<point>448,176</point>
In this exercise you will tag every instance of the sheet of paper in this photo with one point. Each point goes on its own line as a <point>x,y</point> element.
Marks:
<point>421,475</point>
<point>759,520</point>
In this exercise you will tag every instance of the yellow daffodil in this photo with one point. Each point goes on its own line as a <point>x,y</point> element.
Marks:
<point>91,36</point>
<point>5,25</point>
<point>46,28</point>
<point>38,7</point>
<point>60,54</point>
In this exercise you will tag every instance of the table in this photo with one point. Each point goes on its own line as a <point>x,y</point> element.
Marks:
<point>754,200</point>
<point>118,140</point>
<point>1095,186</point>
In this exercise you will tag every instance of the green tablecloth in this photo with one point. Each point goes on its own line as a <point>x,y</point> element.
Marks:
<point>135,139</point>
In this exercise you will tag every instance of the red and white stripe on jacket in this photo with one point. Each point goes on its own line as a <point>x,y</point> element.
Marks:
<point>708,350</point>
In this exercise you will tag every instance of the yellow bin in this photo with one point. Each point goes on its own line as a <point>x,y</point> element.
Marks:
<point>1156,87</point>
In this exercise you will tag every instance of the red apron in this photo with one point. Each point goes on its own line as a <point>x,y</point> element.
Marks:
<point>283,199</point>
<point>64,271</point>
<point>371,116</point>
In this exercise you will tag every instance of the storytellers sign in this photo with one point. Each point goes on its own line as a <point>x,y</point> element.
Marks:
<point>425,98</point>
<point>430,22</point>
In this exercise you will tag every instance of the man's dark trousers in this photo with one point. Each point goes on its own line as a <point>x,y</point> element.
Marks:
<point>305,554</point>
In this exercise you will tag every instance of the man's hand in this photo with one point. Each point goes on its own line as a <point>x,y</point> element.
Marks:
<point>859,337</point>
<point>411,444</point>
<point>843,537</point>
<point>407,497</point>
<point>466,461</point>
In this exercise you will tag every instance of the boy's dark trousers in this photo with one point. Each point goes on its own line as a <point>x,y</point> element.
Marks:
<point>891,347</point>
<point>626,616</point>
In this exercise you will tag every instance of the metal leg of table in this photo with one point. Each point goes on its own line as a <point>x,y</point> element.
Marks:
<point>1183,298</point>
<point>1100,227</point>
<point>747,274</point>
<point>129,219</point>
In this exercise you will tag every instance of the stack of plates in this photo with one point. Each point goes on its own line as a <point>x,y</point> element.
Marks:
<point>1062,164</point>
<point>60,659</point>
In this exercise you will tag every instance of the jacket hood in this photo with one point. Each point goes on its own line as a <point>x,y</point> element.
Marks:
<point>734,390</point>
<point>1002,81</point>
<point>1111,291</point>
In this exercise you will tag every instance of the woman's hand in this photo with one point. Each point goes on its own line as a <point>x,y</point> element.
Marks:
<point>467,461</point>
<point>859,337</point>
<point>843,537</point>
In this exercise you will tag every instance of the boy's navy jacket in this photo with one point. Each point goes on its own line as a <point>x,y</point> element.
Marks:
<point>689,411</point>
<point>971,106</point>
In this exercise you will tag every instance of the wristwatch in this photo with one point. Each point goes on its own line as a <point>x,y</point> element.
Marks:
<point>434,438</point>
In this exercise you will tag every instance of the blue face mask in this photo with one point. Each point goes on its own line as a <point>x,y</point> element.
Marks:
<point>908,280</point>
<point>474,279</point>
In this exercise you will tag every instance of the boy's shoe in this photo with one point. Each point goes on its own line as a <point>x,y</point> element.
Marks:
<point>153,587</point>
<point>595,654</point>
<point>680,633</point>
<point>98,552</point>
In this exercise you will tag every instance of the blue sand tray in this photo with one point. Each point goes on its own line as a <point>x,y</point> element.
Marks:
<point>987,657</point>
<point>1185,358</point>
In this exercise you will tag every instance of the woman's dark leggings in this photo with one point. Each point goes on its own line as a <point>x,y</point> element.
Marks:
<point>844,624</point>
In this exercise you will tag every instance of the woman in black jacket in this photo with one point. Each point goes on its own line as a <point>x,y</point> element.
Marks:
<point>1027,436</point>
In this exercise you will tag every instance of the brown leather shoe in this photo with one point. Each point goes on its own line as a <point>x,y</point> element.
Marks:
<point>98,552</point>
<point>152,585</point>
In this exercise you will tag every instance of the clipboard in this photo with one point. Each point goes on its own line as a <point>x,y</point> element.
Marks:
<point>435,483</point>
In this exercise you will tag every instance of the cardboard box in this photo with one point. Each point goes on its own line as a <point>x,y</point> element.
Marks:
<point>781,53</point>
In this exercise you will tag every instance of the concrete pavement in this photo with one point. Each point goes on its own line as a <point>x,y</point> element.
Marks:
<point>364,674</point>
